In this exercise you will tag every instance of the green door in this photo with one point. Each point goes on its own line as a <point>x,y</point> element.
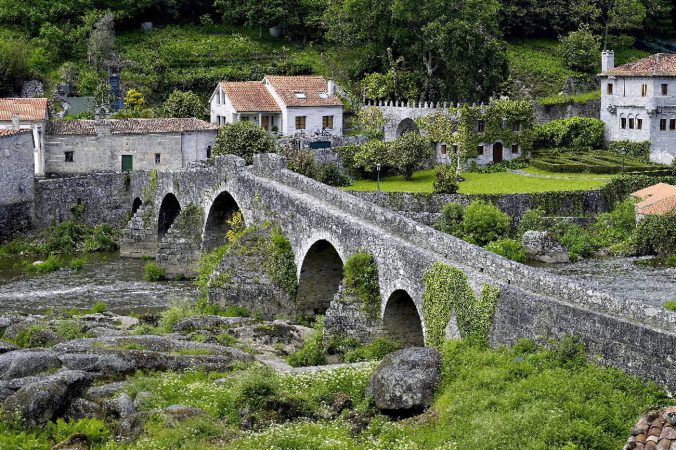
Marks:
<point>127,163</point>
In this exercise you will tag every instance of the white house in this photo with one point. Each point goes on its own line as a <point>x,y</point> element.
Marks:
<point>638,102</point>
<point>28,114</point>
<point>289,105</point>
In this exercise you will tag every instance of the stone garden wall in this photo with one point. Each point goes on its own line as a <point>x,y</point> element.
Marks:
<point>547,113</point>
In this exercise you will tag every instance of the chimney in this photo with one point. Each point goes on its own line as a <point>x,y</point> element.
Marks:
<point>16,122</point>
<point>332,88</point>
<point>607,61</point>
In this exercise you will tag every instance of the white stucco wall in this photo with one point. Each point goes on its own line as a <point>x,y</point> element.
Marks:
<point>313,119</point>
<point>627,102</point>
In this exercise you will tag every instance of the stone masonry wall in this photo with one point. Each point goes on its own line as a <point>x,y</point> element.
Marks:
<point>547,113</point>
<point>106,197</point>
<point>426,208</point>
<point>16,184</point>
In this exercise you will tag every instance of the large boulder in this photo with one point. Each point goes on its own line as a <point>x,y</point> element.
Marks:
<point>47,399</point>
<point>7,347</point>
<point>23,363</point>
<point>405,380</point>
<point>208,323</point>
<point>541,246</point>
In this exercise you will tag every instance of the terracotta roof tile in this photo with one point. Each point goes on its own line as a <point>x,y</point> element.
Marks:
<point>32,109</point>
<point>250,96</point>
<point>655,189</point>
<point>657,65</point>
<point>130,126</point>
<point>657,199</point>
<point>661,435</point>
<point>314,88</point>
<point>13,132</point>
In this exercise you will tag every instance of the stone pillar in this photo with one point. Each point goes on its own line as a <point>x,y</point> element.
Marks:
<point>139,237</point>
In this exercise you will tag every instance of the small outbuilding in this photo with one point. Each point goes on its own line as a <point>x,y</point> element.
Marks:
<point>657,199</point>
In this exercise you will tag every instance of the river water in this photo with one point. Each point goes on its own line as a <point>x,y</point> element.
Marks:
<point>622,276</point>
<point>118,282</point>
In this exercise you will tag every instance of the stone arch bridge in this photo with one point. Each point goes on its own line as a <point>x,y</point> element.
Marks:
<point>178,214</point>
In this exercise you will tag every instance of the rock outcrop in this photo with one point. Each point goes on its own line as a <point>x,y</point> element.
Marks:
<point>405,380</point>
<point>540,246</point>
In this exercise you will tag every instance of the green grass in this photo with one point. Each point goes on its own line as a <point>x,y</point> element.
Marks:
<point>670,305</point>
<point>571,99</point>
<point>583,175</point>
<point>480,183</point>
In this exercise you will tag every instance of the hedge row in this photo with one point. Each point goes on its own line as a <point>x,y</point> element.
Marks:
<point>563,160</point>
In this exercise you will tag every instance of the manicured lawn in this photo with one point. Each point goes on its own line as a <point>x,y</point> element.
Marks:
<point>481,183</point>
<point>591,176</point>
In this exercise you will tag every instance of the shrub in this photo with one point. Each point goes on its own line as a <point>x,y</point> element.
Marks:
<point>615,226</point>
<point>484,222</point>
<point>371,154</point>
<point>178,310</point>
<point>532,220</point>
<point>51,264</point>
<point>153,272</point>
<point>580,50</point>
<point>509,248</point>
<point>451,219</point>
<point>24,338</point>
<point>408,152</point>
<point>301,161</point>
<point>376,350</point>
<point>445,179</point>
<point>360,277</point>
<point>332,175</point>
<point>347,155</point>
<point>99,307</point>
<point>77,264</point>
<point>656,235</point>
<point>638,150</point>
<point>244,139</point>
<point>574,132</point>
<point>670,305</point>
<point>576,239</point>
<point>312,353</point>
<point>183,104</point>
<point>371,122</point>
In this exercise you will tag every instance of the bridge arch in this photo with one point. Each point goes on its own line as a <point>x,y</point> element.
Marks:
<point>407,125</point>
<point>135,205</point>
<point>401,321</point>
<point>170,208</point>
<point>320,276</point>
<point>219,212</point>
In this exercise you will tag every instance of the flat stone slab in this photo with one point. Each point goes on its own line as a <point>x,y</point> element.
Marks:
<point>23,363</point>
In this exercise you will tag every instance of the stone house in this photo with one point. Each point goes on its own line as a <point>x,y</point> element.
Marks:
<point>82,146</point>
<point>288,105</point>
<point>638,102</point>
<point>30,114</point>
<point>16,181</point>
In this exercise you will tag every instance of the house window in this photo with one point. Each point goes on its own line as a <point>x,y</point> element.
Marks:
<point>481,126</point>
<point>300,94</point>
<point>644,90</point>
<point>158,158</point>
<point>623,123</point>
<point>610,89</point>
<point>300,122</point>
<point>515,149</point>
<point>209,152</point>
<point>665,89</point>
<point>516,126</point>
<point>631,123</point>
<point>69,156</point>
<point>672,124</point>
<point>327,122</point>
<point>663,124</point>
<point>639,124</point>
<point>480,150</point>
<point>455,149</point>
<point>442,149</point>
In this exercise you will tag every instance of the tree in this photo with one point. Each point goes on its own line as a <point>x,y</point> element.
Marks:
<point>13,64</point>
<point>134,100</point>
<point>370,155</point>
<point>101,41</point>
<point>243,139</point>
<point>580,50</point>
<point>371,122</point>
<point>408,152</point>
<point>183,104</point>
<point>606,16</point>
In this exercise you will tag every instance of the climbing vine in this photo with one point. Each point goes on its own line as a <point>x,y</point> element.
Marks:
<point>190,221</point>
<point>360,278</point>
<point>447,290</point>
<point>499,119</point>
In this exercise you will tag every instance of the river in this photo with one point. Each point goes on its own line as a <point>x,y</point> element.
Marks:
<point>118,282</point>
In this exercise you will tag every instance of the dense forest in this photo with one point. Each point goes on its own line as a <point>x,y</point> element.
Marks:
<point>435,49</point>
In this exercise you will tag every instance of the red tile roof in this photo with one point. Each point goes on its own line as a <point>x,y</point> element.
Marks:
<point>657,199</point>
<point>656,429</point>
<point>29,109</point>
<point>250,96</point>
<point>130,126</point>
<point>13,132</point>
<point>660,64</point>
<point>314,88</point>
